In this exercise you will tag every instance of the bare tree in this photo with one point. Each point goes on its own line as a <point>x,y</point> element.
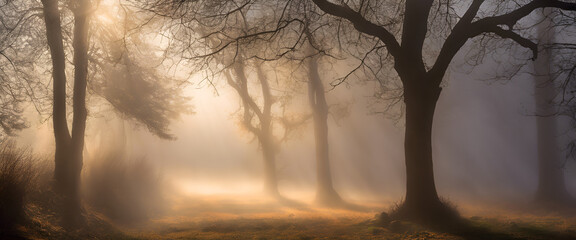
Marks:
<point>69,146</point>
<point>132,90</point>
<point>325,192</point>
<point>258,119</point>
<point>421,75</point>
<point>225,38</point>
<point>19,48</point>
<point>417,39</point>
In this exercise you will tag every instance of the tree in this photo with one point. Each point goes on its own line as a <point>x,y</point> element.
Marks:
<point>69,146</point>
<point>19,49</point>
<point>258,119</point>
<point>325,192</point>
<point>155,101</point>
<point>212,36</point>
<point>404,35</point>
<point>421,75</point>
<point>551,192</point>
<point>130,74</point>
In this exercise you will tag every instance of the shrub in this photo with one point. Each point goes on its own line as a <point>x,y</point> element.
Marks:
<point>17,174</point>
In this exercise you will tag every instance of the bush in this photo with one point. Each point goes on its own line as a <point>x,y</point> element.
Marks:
<point>17,174</point>
<point>126,191</point>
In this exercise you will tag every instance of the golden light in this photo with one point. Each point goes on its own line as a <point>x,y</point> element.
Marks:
<point>106,12</point>
<point>196,187</point>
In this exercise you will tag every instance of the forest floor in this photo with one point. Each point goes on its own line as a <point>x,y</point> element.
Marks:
<point>256,218</point>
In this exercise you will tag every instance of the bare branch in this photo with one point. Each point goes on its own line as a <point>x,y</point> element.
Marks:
<point>361,24</point>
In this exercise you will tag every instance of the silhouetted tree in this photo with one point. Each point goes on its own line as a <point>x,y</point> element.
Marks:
<point>416,38</point>
<point>405,36</point>
<point>69,146</point>
<point>127,84</point>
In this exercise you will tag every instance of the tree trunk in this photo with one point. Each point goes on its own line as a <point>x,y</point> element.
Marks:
<point>325,193</point>
<point>80,44</point>
<point>551,190</point>
<point>422,202</point>
<point>267,137</point>
<point>68,154</point>
<point>269,156</point>
<point>264,131</point>
<point>551,186</point>
<point>64,183</point>
<point>60,125</point>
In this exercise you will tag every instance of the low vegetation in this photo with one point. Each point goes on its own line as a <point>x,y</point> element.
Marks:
<point>120,191</point>
<point>28,202</point>
<point>17,174</point>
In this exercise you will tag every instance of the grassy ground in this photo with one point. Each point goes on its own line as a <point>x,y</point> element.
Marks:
<point>242,218</point>
<point>239,217</point>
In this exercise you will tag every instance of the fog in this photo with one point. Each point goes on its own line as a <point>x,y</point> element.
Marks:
<point>211,176</point>
<point>484,145</point>
<point>291,119</point>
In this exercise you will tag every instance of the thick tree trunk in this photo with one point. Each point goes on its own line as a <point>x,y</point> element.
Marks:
<point>422,203</point>
<point>325,193</point>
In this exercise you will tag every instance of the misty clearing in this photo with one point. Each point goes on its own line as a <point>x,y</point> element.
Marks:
<point>288,119</point>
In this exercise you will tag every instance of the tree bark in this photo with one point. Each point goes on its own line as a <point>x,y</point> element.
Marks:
<point>325,192</point>
<point>422,202</point>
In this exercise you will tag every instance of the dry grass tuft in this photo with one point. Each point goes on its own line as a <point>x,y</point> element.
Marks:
<point>17,175</point>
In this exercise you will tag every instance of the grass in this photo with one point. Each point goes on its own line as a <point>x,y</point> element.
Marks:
<point>17,173</point>
<point>442,215</point>
<point>351,228</point>
<point>201,217</point>
<point>255,217</point>
<point>27,203</point>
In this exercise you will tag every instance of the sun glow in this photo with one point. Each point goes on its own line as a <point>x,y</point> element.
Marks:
<point>106,12</point>
<point>104,18</point>
<point>194,187</point>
